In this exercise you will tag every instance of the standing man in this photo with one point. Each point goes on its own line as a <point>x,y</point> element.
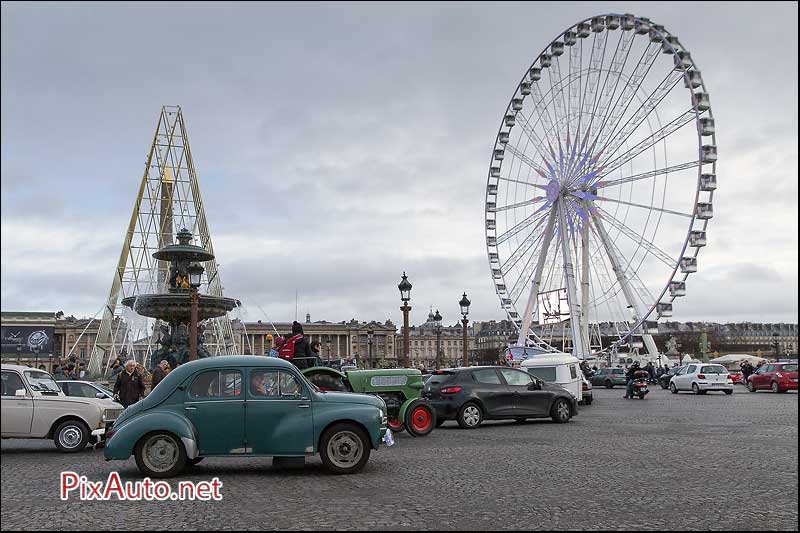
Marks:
<point>159,373</point>
<point>129,387</point>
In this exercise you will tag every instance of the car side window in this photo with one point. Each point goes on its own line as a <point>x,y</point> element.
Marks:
<point>83,390</point>
<point>573,373</point>
<point>681,372</point>
<point>487,375</point>
<point>217,384</point>
<point>691,369</point>
<point>264,384</point>
<point>11,383</point>
<point>289,386</point>
<point>770,368</point>
<point>515,377</point>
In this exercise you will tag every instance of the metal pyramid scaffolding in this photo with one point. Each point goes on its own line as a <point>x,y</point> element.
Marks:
<point>168,200</point>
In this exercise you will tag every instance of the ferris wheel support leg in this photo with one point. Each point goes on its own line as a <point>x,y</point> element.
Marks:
<point>527,316</point>
<point>616,266</point>
<point>585,285</point>
<point>578,347</point>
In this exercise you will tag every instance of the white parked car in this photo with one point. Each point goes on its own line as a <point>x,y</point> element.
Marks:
<point>701,378</point>
<point>34,407</point>
<point>85,389</point>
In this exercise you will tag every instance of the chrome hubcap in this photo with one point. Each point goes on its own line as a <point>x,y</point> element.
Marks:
<point>160,453</point>
<point>471,415</point>
<point>70,436</point>
<point>563,411</point>
<point>345,449</point>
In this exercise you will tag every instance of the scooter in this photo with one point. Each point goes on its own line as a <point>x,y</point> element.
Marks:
<point>639,388</point>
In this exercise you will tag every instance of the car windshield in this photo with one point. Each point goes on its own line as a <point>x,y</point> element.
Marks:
<point>789,368</point>
<point>103,389</point>
<point>714,369</point>
<point>41,381</point>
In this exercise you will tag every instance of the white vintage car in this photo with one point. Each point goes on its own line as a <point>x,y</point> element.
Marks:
<point>34,407</point>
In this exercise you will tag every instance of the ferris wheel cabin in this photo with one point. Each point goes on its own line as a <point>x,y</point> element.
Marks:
<point>697,239</point>
<point>677,288</point>
<point>708,182</point>
<point>688,265</point>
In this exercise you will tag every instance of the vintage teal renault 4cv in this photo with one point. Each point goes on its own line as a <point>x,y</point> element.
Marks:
<point>245,406</point>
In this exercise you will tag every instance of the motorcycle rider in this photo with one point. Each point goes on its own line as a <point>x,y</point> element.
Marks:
<point>629,375</point>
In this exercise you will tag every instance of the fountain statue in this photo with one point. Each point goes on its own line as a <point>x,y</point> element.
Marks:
<point>175,306</point>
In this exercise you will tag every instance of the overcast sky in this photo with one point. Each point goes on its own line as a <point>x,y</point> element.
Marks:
<point>338,145</point>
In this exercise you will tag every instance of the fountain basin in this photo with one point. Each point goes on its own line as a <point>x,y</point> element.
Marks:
<point>176,307</point>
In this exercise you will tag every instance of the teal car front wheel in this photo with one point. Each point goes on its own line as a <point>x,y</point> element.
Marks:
<point>160,455</point>
<point>344,448</point>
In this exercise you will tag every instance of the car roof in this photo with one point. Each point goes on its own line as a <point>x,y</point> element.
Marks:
<point>20,368</point>
<point>181,372</point>
<point>550,359</point>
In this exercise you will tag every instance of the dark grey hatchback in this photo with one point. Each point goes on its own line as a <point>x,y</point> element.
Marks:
<point>474,394</point>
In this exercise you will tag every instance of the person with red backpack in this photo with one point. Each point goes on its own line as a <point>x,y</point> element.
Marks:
<point>296,349</point>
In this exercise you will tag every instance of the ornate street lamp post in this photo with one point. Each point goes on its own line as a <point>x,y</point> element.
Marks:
<point>464,304</point>
<point>369,345</point>
<point>437,321</point>
<point>405,296</point>
<point>328,342</point>
<point>195,271</point>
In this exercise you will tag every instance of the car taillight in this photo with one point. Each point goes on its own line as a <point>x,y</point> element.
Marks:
<point>701,376</point>
<point>450,390</point>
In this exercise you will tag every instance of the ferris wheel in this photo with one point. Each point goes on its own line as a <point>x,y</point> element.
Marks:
<point>600,186</point>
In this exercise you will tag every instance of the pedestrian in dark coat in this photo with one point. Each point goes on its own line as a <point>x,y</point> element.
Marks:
<point>129,387</point>
<point>159,373</point>
<point>302,348</point>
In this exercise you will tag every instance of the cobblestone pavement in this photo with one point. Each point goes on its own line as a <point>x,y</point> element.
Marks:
<point>668,462</point>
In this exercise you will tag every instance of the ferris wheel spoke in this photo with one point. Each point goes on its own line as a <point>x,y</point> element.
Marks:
<point>627,95</point>
<point>532,201</point>
<point>558,110</point>
<point>520,252</point>
<point>650,207</point>
<point>651,140</point>
<point>538,216</point>
<point>595,73</point>
<point>528,183</point>
<point>513,150</point>
<point>618,63</point>
<point>642,112</point>
<point>646,175</point>
<point>639,239</point>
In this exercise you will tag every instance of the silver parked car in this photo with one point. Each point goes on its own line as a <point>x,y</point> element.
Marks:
<point>34,407</point>
<point>701,378</point>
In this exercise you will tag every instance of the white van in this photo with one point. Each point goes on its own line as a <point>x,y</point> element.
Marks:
<point>558,368</point>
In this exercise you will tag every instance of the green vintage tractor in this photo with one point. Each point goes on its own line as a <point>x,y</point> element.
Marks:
<point>400,388</point>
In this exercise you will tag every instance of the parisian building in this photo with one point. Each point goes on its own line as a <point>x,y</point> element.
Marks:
<point>422,344</point>
<point>379,344</point>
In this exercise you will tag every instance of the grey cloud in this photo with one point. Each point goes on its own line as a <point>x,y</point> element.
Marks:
<point>354,139</point>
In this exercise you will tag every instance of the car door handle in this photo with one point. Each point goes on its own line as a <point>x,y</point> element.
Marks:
<point>190,408</point>
<point>303,406</point>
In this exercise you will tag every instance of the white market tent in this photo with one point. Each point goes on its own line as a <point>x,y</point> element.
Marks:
<point>737,357</point>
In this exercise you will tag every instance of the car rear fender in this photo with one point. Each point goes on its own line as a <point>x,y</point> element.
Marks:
<point>124,439</point>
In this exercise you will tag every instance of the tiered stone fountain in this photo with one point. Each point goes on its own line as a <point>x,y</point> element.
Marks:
<point>175,306</point>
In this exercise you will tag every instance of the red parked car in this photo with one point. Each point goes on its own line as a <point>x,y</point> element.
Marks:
<point>778,377</point>
<point>736,376</point>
